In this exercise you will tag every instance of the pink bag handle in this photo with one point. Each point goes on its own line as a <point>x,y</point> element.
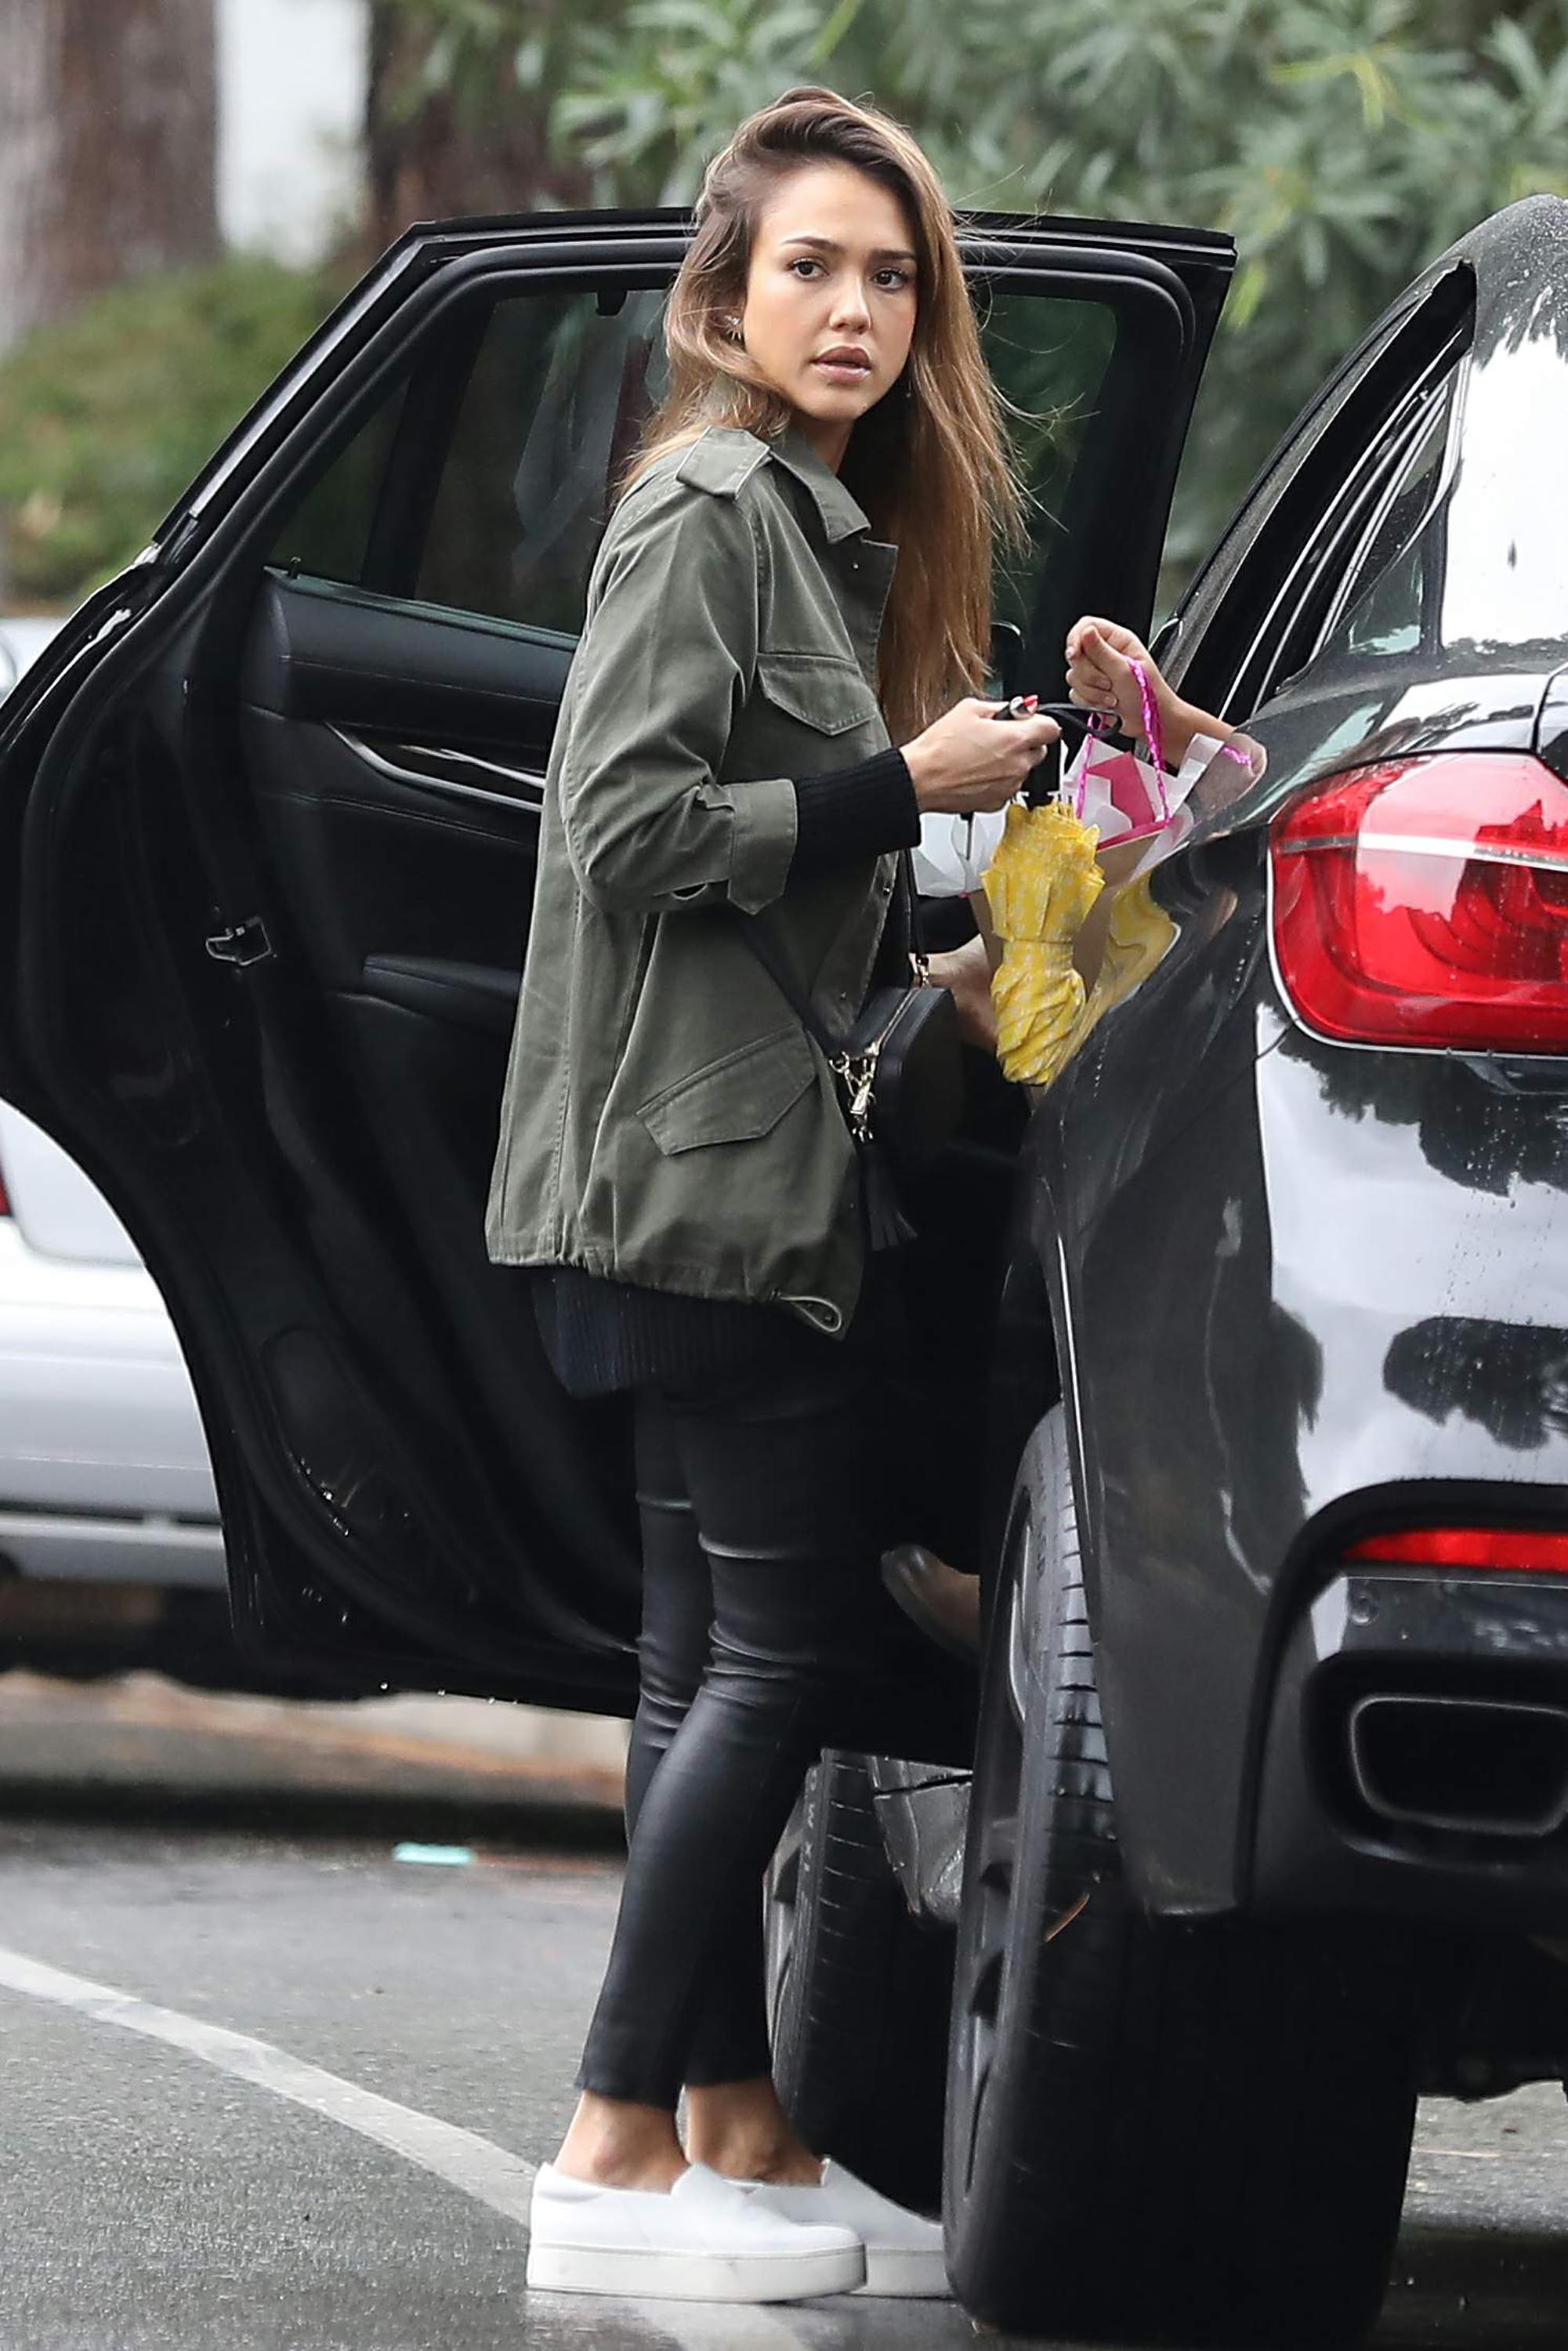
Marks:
<point>1101,724</point>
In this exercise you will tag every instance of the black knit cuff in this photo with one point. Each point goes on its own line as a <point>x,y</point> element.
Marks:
<point>852,813</point>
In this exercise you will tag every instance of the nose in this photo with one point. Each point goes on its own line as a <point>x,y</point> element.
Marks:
<point>851,311</point>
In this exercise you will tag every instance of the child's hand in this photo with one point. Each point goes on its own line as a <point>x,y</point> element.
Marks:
<point>1099,655</point>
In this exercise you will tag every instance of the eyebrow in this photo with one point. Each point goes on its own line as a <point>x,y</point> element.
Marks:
<point>830,245</point>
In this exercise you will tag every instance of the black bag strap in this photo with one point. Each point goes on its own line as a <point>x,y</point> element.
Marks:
<point>911,898</point>
<point>770,955</point>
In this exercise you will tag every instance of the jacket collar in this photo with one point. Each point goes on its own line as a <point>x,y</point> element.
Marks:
<point>838,511</point>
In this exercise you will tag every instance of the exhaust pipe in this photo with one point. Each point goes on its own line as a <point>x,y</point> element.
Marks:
<point>1475,1766</point>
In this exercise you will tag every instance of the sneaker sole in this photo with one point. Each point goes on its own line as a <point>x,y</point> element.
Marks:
<point>907,2272</point>
<point>645,2272</point>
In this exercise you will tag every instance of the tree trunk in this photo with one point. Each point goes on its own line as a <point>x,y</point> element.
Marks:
<point>107,148</point>
<point>431,156</point>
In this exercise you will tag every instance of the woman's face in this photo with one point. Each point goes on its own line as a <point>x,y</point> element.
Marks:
<point>833,277</point>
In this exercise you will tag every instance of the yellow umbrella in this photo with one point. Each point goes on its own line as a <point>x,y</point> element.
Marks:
<point>1039,886</point>
<point>1138,935</point>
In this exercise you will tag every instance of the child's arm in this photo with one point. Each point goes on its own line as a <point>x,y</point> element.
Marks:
<point>1100,654</point>
<point>966,971</point>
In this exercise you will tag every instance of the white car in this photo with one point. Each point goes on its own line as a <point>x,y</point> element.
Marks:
<point>107,1507</point>
<point>104,1475</point>
<point>22,640</point>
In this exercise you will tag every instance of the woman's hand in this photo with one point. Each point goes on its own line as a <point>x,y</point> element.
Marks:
<point>1100,657</point>
<point>966,974</point>
<point>968,761</point>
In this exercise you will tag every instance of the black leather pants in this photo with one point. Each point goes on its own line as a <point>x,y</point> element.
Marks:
<point>760,1520</point>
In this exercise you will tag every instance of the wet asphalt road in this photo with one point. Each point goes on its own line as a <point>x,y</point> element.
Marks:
<point>156,2198</point>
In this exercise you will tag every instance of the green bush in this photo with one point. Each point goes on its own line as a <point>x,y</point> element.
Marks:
<point>1343,142</point>
<point>105,418</point>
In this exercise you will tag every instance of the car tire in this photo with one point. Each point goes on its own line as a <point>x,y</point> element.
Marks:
<point>1156,2132</point>
<point>858,1991</point>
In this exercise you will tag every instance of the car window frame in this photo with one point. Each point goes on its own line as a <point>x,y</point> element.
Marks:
<point>1155,328</point>
<point>1446,388</point>
<point>1288,639</point>
<point>1211,649</point>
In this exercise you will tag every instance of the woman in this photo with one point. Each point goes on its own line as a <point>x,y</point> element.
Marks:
<point>672,1151</point>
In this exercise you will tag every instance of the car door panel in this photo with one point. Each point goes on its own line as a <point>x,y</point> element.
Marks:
<point>314,873</point>
<point>380,868</point>
<point>407,888</point>
<point>341,1432</point>
<point>320,650</point>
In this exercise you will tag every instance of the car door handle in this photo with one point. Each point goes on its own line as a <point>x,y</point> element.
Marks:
<point>434,767</point>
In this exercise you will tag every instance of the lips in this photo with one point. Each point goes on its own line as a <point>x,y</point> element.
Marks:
<point>846,358</point>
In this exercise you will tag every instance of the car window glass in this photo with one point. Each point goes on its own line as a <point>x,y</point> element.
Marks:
<point>549,407</point>
<point>1352,540</point>
<point>1265,577</point>
<point>1047,358</point>
<point>535,410</point>
<point>1379,611</point>
<point>550,414</point>
<point>328,534</point>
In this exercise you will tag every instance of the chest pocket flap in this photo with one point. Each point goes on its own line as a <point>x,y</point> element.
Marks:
<point>823,690</point>
<point>736,1099</point>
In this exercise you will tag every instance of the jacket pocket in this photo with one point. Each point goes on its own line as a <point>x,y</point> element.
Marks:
<point>822,690</point>
<point>735,1099</point>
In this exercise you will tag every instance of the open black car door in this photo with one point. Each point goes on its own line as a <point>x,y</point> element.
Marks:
<point>268,815</point>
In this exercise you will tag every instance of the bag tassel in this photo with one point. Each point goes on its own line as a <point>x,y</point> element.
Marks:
<point>886,1225</point>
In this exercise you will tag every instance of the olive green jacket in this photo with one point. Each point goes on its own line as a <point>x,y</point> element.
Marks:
<point>666,1120</point>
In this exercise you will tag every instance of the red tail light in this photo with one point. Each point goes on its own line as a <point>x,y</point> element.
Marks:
<point>1425,902</point>
<point>1504,1547</point>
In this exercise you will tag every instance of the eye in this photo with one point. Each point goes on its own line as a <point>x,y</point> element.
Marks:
<point>900,277</point>
<point>805,261</point>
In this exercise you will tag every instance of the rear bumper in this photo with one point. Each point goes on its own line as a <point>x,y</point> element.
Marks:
<point>1415,1757</point>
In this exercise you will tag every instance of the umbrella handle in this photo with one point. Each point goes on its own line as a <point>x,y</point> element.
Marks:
<point>1043,782</point>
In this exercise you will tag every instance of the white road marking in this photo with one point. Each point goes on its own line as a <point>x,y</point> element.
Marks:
<point>465,2160</point>
<point>477,2165</point>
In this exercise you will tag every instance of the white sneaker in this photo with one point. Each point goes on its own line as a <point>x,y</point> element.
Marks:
<point>902,2249</point>
<point>709,2239</point>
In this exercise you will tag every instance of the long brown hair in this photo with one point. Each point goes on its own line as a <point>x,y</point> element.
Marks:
<point>930,464</point>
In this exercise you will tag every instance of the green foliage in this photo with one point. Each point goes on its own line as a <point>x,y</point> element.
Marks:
<point>106,418</point>
<point>1343,142</point>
